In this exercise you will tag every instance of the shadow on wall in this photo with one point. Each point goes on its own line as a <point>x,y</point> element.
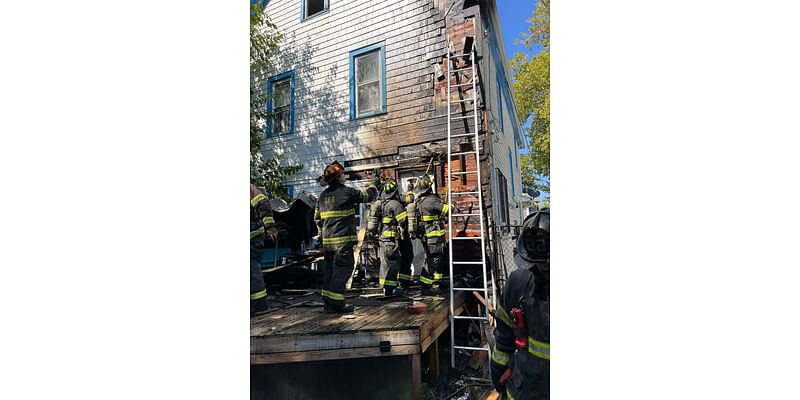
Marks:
<point>322,114</point>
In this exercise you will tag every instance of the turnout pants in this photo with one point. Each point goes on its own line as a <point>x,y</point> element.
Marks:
<point>390,264</point>
<point>337,268</point>
<point>530,378</point>
<point>434,258</point>
<point>258,291</point>
<point>406,257</point>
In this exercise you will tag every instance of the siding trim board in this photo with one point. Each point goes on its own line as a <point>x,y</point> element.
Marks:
<point>381,48</point>
<point>270,82</point>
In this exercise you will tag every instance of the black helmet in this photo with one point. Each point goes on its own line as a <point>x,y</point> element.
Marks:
<point>389,189</point>
<point>423,185</point>
<point>533,244</point>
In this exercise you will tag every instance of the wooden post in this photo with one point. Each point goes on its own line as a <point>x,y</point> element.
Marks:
<point>416,377</point>
<point>433,354</point>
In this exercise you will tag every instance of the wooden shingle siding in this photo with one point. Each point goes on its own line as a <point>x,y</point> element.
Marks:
<point>413,35</point>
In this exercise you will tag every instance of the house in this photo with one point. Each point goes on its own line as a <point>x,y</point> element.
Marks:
<point>365,82</point>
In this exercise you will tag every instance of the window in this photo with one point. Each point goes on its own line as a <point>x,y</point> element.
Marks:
<point>281,104</point>
<point>502,198</point>
<point>500,101</point>
<point>511,170</point>
<point>408,178</point>
<point>310,8</point>
<point>367,81</point>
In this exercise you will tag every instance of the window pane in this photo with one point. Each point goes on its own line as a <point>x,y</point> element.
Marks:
<point>280,93</point>
<point>369,97</point>
<point>367,68</point>
<point>280,120</point>
<point>314,7</point>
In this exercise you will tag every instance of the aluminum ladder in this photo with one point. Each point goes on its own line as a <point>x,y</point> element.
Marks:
<point>454,87</point>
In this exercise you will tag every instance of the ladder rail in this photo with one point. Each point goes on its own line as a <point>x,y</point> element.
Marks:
<point>449,214</point>
<point>476,137</point>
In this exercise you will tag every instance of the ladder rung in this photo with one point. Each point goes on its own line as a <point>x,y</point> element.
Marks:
<point>459,70</point>
<point>471,348</point>
<point>462,135</point>
<point>461,84</point>
<point>464,173</point>
<point>470,289</point>
<point>465,238</point>
<point>469,262</point>
<point>462,100</point>
<point>470,317</point>
<point>462,117</point>
<point>463,153</point>
<point>458,193</point>
<point>466,215</point>
<point>460,55</point>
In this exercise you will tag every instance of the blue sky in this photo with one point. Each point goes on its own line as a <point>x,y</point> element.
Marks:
<point>513,21</point>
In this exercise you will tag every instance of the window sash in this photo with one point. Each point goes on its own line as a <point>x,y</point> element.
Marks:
<point>366,81</point>
<point>281,94</point>
<point>281,120</point>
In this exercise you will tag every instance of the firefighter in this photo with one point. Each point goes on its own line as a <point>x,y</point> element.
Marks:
<point>394,231</point>
<point>262,227</point>
<point>432,214</point>
<point>406,248</point>
<point>335,218</point>
<point>520,364</point>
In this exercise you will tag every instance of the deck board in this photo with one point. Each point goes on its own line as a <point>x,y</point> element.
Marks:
<point>298,334</point>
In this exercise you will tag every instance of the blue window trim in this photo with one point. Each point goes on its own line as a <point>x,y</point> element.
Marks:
<point>382,57</point>
<point>303,10</point>
<point>279,77</point>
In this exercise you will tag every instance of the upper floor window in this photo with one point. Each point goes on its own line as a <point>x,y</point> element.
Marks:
<point>500,100</point>
<point>310,8</point>
<point>368,81</point>
<point>502,201</point>
<point>281,104</point>
<point>511,171</point>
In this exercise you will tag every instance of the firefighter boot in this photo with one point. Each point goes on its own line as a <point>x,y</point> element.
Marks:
<point>346,309</point>
<point>258,306</point>
<point>428,290</point>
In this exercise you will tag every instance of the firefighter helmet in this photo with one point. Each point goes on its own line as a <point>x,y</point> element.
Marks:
<point>533,243</point>
<point>423,185</point>
<point>331,172</point>
<point>389,189</point>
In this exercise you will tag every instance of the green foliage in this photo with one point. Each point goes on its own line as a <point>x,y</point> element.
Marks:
<point>545,203</point>
<point>532,93</point>
<point>269,174</point>
<point>530,179</point>
<point>264,41</point>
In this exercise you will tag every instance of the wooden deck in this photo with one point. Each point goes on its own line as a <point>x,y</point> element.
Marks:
<point>302,333</point>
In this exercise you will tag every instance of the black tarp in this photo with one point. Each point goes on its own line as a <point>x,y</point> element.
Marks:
<point>295,219</point>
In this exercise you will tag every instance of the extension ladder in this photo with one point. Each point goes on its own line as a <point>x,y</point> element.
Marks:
<point>455,86</point>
